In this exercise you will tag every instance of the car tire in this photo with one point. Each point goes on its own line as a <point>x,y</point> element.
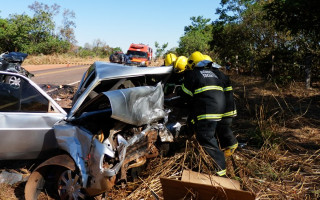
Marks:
<point>69,185</point>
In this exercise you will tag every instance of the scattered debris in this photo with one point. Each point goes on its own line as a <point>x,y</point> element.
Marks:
<point>12,178</point>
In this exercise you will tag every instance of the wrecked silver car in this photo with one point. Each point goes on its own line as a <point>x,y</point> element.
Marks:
<point>116,123</point>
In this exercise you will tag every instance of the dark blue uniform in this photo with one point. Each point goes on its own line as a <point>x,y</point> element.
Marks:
<point>208,100</point>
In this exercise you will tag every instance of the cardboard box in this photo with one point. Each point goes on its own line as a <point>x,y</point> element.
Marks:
<point>203,187</point>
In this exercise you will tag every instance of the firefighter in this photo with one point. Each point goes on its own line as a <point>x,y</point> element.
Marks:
<point>180,64</point>
<point>170,59</point>
<point>203,91</point>
<point>176,78</point>
<point>228,142</point>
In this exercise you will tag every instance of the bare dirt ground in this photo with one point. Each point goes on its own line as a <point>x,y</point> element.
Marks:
<point>279,154</point>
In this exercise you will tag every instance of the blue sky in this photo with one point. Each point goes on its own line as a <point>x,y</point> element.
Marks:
<point>120,23</point>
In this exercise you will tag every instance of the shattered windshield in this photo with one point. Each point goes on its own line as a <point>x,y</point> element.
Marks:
<point>138,54</point>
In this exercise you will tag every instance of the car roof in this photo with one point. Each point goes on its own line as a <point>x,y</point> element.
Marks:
<point>108,71</point>
<point>105,70</point>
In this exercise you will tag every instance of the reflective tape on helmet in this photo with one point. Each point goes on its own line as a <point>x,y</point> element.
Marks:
<point>211,87</point>
<point>227,89</point>
<point>222,172</point>
<point>209,116</point>
<point>230,114</point>
<point>186,90</point>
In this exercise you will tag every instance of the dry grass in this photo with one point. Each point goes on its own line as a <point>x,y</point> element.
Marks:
<point>7,192</point>
<point>68,59</point>
<point>148,185</point>
<point>60,59</point>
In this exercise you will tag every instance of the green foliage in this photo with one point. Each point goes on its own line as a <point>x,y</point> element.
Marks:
<point>115,49</point>
<point>160,49</point>
<point>97,49</point>
<point>295,15</point>
<point>84,53</point>
<point>197,23</point>
<point>196,38</point>
<point>50,46</point>
<point>35,35</point>
<point>267,38</point>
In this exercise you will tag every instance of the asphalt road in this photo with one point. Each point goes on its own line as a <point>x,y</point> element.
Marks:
<point>52,78</point>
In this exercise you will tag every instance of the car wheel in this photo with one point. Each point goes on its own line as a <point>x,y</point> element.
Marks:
<point>13,81</point>
<point>70,186</point>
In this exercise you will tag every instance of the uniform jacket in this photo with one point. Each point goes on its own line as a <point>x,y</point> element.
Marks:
<point>230,110</point>
<point>204,94</point>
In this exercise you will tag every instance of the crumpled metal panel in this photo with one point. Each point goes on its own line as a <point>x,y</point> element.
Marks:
<point>137,106</point>
<point>77,143</point>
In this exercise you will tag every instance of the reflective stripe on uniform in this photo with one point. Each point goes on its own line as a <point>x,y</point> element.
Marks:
<point>186,90</point>
<point>211,87</point>
<point>209,116</point>
<point>227,89</point>
<point>230,150</point>
<point>231,113</point>
<point>233,146</point>
<point>222,172</point>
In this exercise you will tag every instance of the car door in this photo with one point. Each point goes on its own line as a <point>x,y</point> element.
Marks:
<point>27,116</point>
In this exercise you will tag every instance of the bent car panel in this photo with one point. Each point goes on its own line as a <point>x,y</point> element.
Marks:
<point>137,106</point>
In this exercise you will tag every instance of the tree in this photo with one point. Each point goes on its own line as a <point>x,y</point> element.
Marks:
<point>43,23</point>
<point>301,19</point>
<point>197,23</point>
<point>160,49</point>
<point>197,37</point>
<point>67,30</point>
<point>18,32</point>
<point>297,16</point>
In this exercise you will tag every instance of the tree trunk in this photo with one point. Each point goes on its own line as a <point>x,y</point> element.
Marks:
<point>308,71</point>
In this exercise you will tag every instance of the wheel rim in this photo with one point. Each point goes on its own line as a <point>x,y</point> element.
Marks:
<point>69,186</point>
<point>14,82</point>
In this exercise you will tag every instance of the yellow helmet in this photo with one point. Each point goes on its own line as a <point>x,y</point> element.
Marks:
<point>193,59</point>
<point>206,57</point>
<point>170,59</point>
<point>180,64</point>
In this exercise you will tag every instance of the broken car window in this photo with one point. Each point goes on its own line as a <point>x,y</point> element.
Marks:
<point>18,95</point>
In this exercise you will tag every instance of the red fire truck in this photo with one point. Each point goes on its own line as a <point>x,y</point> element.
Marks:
<point>141,54</point>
